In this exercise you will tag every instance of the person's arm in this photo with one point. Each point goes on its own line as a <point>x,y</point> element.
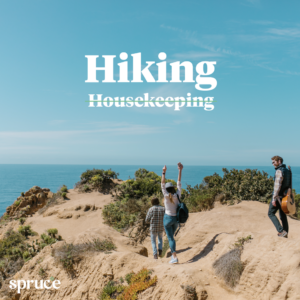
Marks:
<point>163,176</point>
<point>277,186</point>
<point>163,182</point>
<point>149,216</point>
<point>180,167</point>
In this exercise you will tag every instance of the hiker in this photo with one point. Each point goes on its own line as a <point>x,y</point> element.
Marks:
<point>155,216</point>
<point>282,181</point>
<point>171,203</point>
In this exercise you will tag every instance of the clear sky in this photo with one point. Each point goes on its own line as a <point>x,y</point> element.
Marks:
<point>44,118</point>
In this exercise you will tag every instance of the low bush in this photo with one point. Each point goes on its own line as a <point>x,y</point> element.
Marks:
<point>103,246</point>
<point>138,282</point>
<point>97,179</point>
<point>22,220</point>
<point>69,254</point>
<point>52,232</point>
<point>26,230</point>
<point>128,277</point>
<point>64,189</point>
<point>241,241</point>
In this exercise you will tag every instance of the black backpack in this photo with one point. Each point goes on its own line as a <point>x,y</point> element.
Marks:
<point>182,213</point>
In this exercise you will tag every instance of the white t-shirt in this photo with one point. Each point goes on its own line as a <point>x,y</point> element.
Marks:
<point>171,208</point>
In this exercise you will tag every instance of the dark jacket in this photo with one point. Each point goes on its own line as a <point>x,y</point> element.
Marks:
<point>286,182</point>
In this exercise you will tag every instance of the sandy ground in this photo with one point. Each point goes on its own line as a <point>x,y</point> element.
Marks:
<point>272,264</point>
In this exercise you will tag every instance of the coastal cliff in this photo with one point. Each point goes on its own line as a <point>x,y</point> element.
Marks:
<point>271,265</point>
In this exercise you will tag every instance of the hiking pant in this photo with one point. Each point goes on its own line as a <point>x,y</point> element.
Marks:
<point>154,235</point>
<point>282,215</point>
<point>170,224</point>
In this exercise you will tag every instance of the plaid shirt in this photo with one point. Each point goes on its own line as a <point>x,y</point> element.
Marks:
<point>155,216</point>
<point>277,185</point>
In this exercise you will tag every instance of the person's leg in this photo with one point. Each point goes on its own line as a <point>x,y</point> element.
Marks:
<point>153,242</point>
<point>175,226</point>
<point>284,220</point>
<point>168,224</point>
<point>272,211</point>
<point>160,241</point>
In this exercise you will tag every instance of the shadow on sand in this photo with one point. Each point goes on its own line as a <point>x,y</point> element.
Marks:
<point>207,249</point>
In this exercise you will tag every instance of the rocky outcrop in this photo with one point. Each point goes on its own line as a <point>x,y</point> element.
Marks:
<point>29,203</point>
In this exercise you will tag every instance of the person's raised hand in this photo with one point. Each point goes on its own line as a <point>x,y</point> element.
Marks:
<point>180,166</point>
<point>164,169</point>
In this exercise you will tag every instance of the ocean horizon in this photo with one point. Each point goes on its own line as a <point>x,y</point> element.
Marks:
<point>18,178</point>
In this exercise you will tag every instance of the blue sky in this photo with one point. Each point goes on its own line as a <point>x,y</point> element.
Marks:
<point>44,118</point>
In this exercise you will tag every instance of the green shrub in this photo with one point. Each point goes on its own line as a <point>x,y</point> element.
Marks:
<point>108,174</point>
<point>241,241</point>
<point>137,283</point>
<point>242,185</point>
<point>64,195</point>
<point>64,189</point>
<point>22,220</point>
<point>86,188</point>
<point>128,277</point>
<point>22,194</point>
<point>111,289</point>
<point>199,198</point>
<point>48,240</point>
<point>52,232</point>
<point>26,230</point>
<point>97,179</point>
<point>26,255</point>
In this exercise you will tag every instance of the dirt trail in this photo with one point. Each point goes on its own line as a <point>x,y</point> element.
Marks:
<point>272,269</point>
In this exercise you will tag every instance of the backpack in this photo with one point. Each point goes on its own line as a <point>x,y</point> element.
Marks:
<point>182,213</point>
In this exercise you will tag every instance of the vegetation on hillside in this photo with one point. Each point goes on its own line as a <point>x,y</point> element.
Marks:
<point>96,179</point>
<point>133,199</point>
<point>136,283</point>
<point>69,254</point>
<point>133,196</point>
<point>15,249</point>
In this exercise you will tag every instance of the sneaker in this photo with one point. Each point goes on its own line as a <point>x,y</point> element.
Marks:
<point>283,234</point>
<point>155,256</point>
<point>159,252</point>
<point>173,260</point>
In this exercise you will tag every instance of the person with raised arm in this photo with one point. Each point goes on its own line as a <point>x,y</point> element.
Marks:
<point>171,203</point>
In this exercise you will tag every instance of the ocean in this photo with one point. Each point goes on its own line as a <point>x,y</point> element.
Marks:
<point>15,179</point>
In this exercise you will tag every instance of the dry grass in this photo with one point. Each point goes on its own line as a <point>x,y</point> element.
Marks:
<point>68,254</point>
<point>230,267</point>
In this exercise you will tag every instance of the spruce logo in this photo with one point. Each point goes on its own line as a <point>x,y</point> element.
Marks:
<point>38,284</point>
